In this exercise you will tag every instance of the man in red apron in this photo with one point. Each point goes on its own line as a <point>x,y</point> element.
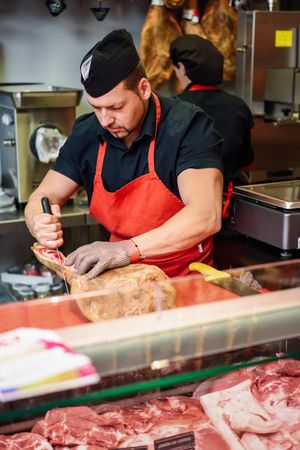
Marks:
<point>198,65</point>
<point>151,167</point>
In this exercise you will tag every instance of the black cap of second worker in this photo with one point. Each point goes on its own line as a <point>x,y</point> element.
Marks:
<point>203,62</point>
<point>108,63</point>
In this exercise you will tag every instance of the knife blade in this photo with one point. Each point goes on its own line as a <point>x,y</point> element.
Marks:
<point>223,279</point>
<point>47,209</point>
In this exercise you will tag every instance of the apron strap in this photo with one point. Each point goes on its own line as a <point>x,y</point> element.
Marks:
<point>152,143</point>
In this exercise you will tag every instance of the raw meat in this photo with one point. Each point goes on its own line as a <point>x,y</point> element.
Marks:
<point>79,426</point>
<point>276,441</point>
<point>235,410</point>
<point>22,441</point>
<point>276,388</point>
<point>169,416</point>
<point>159,30</point>
<point>126,291</point>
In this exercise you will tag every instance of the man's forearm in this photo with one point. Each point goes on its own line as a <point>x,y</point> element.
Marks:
<point>184,230</point>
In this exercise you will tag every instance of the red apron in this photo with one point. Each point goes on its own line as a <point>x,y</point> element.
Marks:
<point>142,205</point>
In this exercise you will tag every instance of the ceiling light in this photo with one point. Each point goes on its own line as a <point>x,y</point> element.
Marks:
<point>100,12</point>
<point>56,7</point>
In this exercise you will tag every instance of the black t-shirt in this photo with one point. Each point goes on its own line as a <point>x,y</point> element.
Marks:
<point>233,120</point>
<point>186,139</point>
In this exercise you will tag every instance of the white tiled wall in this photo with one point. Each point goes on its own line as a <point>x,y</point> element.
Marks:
<point>37,47</point>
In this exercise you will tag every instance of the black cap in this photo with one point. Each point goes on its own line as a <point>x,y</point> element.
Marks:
<point>108,63</point>
<point>203,62</point>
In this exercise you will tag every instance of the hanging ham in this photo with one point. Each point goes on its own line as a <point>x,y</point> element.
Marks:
<point>219,23</point>
<point>159,30</point>
<point>190,22</point>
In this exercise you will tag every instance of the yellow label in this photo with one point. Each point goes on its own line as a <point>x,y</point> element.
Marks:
<point>283,38</point>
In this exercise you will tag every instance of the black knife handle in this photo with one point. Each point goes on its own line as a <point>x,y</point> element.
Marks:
<point>46,205</point>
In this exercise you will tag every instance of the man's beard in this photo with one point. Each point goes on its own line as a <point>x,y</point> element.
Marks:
<point>125,133</point>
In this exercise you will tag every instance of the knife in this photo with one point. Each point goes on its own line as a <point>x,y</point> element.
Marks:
<point>47,209</point>
<point>223,279</point>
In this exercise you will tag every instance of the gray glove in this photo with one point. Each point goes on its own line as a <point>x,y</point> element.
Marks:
<point>100,256</point>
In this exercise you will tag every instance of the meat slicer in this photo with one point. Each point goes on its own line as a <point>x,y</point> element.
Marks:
<point>268,212</point>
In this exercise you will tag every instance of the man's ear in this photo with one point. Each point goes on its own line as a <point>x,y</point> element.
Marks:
<point>144,88</point>
<point>181,68</point>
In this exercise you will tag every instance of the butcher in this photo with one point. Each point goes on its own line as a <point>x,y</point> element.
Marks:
<point>198,65</point>
<point>151,167</point>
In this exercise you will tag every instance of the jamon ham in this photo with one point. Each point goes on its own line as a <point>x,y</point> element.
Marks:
<point>174,4</point>
<point>125,291</point>
<point>192,26</point>
<point>159,30</point>
<point>219,23</point>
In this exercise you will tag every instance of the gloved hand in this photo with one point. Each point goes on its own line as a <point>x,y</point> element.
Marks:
<point>100,256</point>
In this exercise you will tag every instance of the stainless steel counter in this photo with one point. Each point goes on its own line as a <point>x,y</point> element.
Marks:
<point>15,240</point>
<point>72,215</point>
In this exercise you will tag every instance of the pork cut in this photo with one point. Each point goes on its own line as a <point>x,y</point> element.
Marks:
<point>22,441</point>
<point>275,387</point>
<point>126,291</point>
<point>159,30</point>
<point>219,23</point>
<point>192,26</point>
<point>174,4</point>
<point>236,410</point>
<point>79,425</point>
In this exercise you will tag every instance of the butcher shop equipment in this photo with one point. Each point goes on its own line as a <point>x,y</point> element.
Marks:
<point>223,279</point>
<point>34,121</point>
<point>268,79</point>
<point>268,212</point>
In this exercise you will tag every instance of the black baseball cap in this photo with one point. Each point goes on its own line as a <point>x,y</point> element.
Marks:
<point>203,62</point>
<point>108,63</point>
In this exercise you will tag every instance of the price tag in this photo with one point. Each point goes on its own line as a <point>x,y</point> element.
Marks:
<point>138,447</point>
<point>184,441</point>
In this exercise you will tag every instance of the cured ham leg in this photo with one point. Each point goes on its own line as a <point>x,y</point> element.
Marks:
<point>190,23</point>
<point>219,23</point>
<point>159,30</point>
<point>126,291</point>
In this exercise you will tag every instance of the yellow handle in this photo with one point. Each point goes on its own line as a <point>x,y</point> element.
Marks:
<point>211,272</point>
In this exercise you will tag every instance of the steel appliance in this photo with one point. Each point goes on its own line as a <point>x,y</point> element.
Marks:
<point>268,79</point>
<point>34,121</point>
<point>268,212</point>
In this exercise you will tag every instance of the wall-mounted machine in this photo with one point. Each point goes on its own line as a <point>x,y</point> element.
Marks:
<point>268,79</point>
<point>34,121</point>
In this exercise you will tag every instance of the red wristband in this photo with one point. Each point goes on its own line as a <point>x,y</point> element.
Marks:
<point>135,257</point>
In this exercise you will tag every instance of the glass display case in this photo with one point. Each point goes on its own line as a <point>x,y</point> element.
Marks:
<point>207,331</point>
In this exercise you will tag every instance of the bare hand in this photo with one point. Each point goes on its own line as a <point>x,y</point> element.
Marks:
<point>47,228</point>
